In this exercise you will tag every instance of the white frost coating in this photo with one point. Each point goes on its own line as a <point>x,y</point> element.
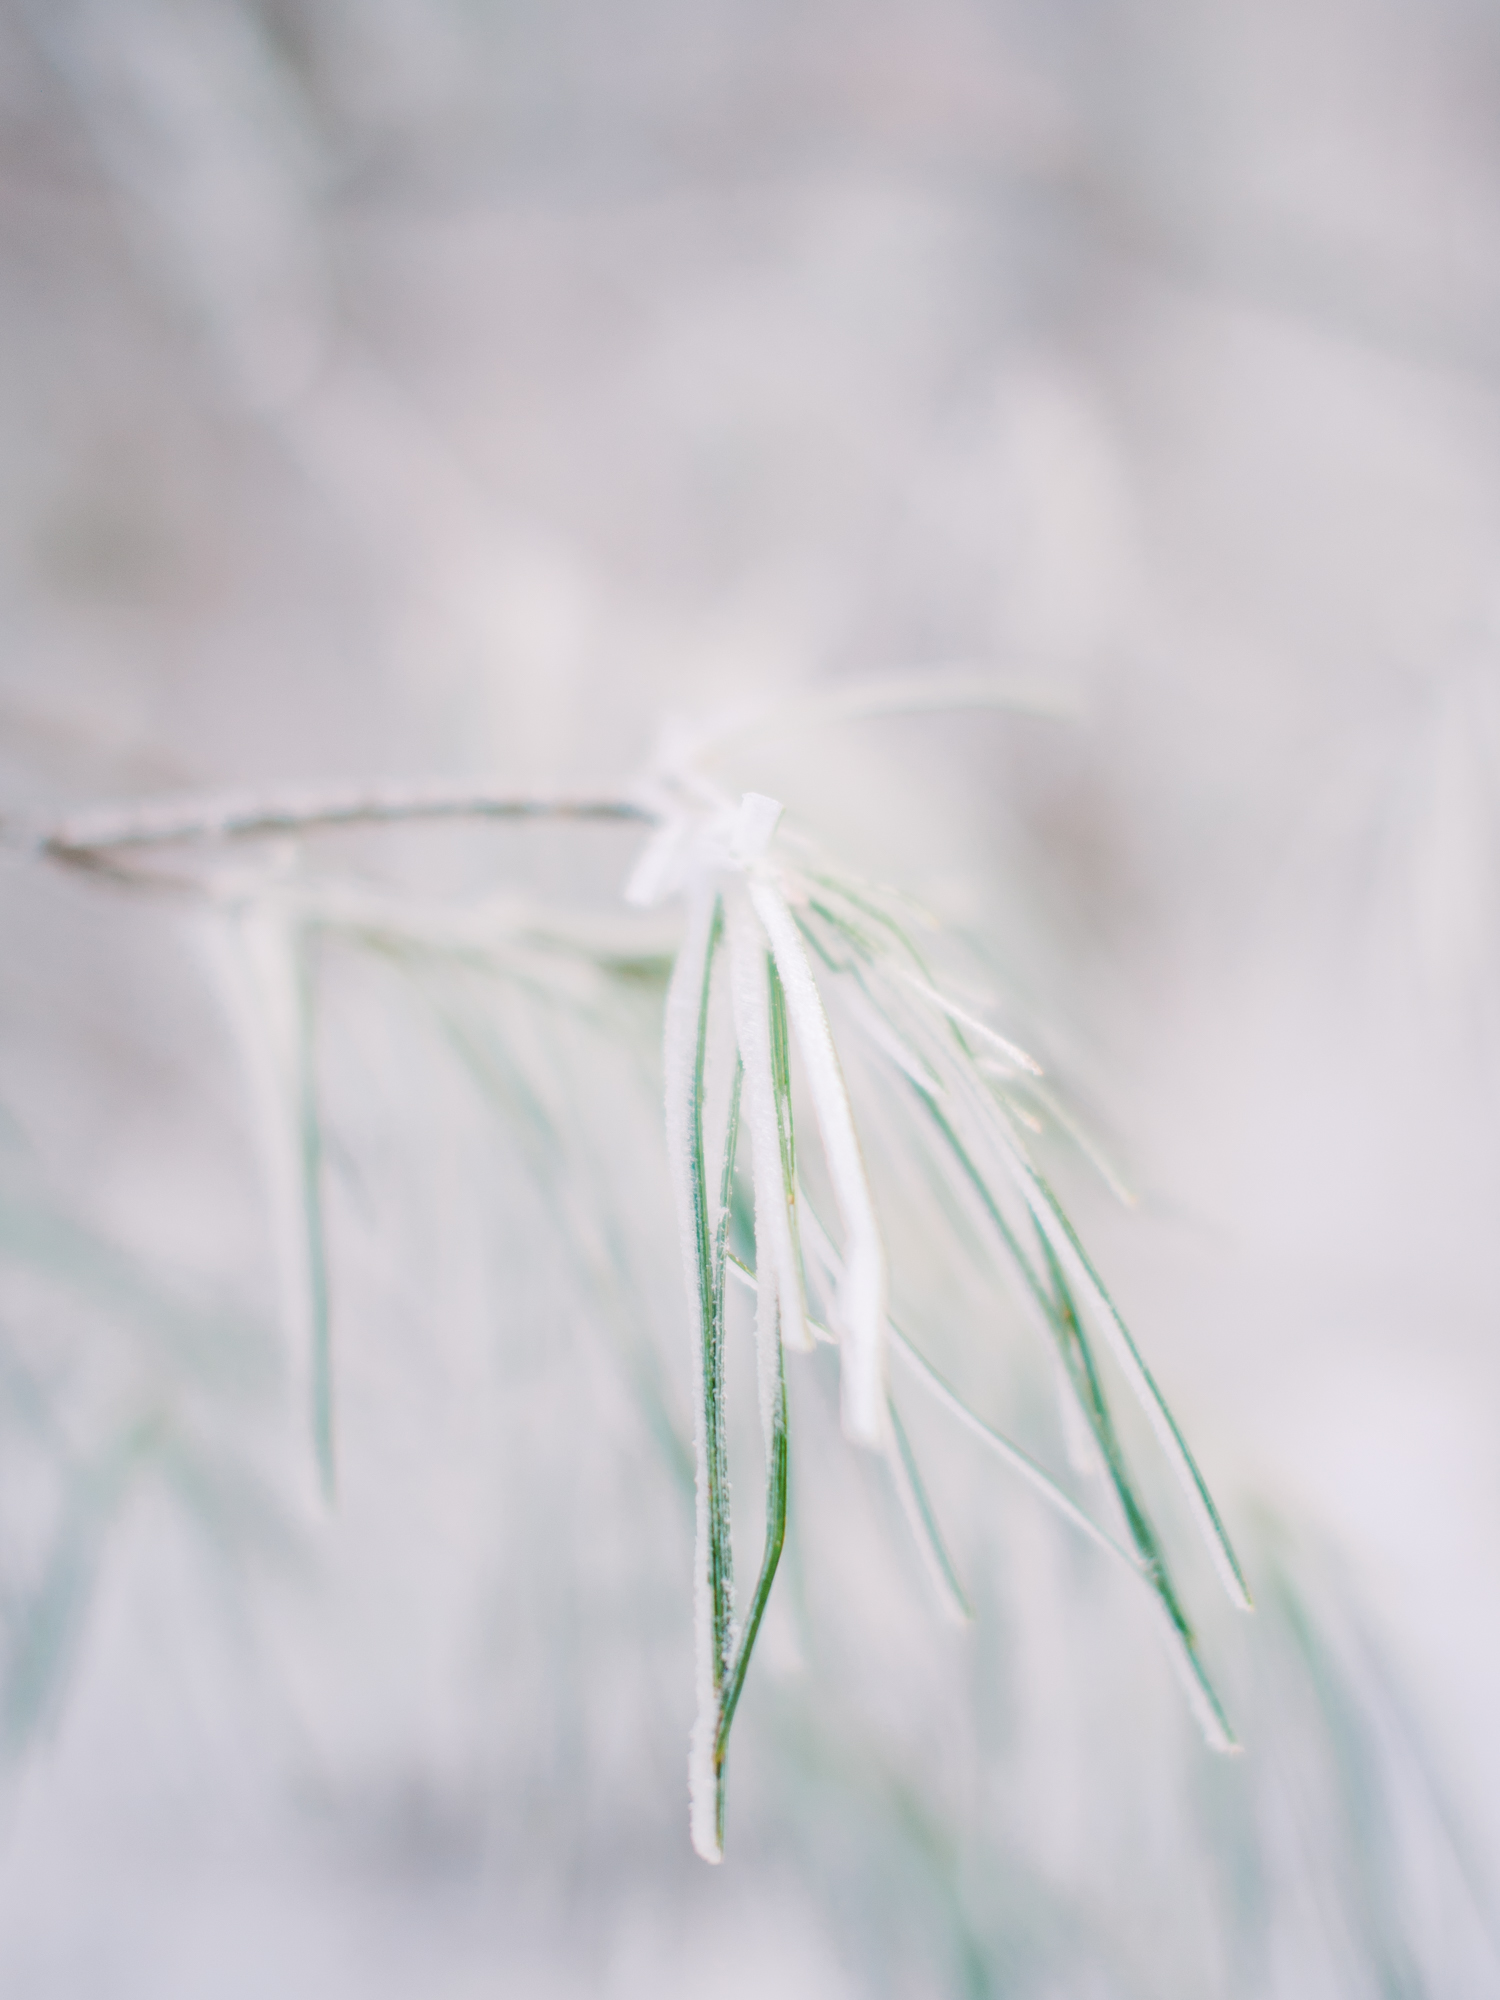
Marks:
<point>861,1291</point>
<point>698,841</point>
<point>754,824</point>
<point>776,1265</point>
<point>684,996</point>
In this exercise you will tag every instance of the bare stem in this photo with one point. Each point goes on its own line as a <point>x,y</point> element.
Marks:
<point>86,839</point>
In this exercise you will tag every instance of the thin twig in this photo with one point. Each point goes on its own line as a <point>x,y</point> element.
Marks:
<point>81,839</point>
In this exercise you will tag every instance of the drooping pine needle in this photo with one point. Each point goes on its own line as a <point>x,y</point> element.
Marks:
<point>781,1074</point>
<point>685,1049</point>
<point>1077,1356</point>
<point>721,1548</point>
<point>1059,1231</point>
<point>776,1491</point>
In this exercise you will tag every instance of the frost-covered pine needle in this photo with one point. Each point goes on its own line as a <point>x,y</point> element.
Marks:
<point>861,1297</point>
<point>780,1314</point>
<point>686,1038</point>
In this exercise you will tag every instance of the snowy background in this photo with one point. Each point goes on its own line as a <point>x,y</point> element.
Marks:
<point>459,388</point>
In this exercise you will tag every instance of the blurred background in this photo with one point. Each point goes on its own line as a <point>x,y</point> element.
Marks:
<point>466,389</point>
